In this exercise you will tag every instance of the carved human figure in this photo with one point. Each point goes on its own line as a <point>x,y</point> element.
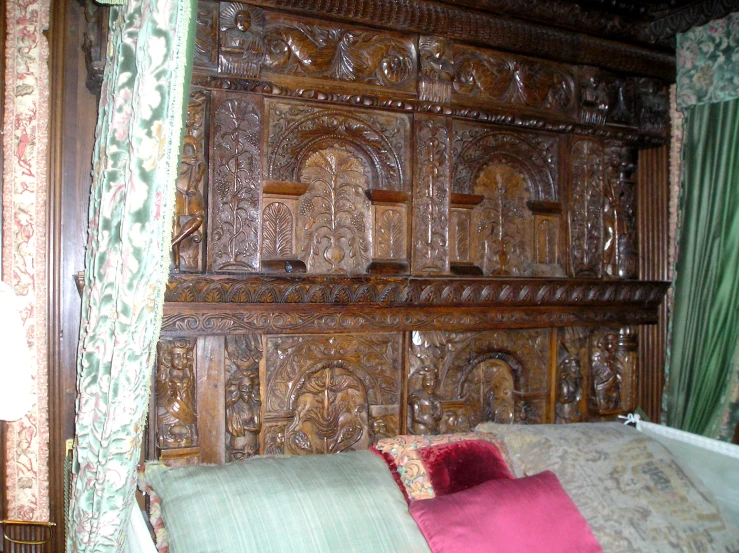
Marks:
<point>606,378</point>
<point>243,413</point>
<point>242,43</point>
<point>424,405</point>
<point>189,207</point>
<point>175,391</point>
<point>570,391</point>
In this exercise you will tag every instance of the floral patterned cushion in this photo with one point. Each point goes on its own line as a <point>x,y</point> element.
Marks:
<point>403,457</point>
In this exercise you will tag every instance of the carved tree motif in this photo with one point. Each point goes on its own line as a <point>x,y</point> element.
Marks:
<point>189,216</point>
<point>234,244</point>
<point>277,231</point>
<point>175,394</point>
<point>605,373</point>
<point>503,222</point>
<point>571,352</point>
<point>243,402</point>
<point>391,235</point>
<point>586,204</point>
<point>460,235</point>
<point>334,213</point>
<point>331,413</point>
<point>431,197</point>
<point>241,40</point>
<point>297,131</point>
<point>329,52</point>
<point>512,80</point>
<point>435,84</point>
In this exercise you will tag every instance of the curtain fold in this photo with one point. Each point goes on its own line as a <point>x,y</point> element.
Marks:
<point>135,162</point>
<point>705,322</point>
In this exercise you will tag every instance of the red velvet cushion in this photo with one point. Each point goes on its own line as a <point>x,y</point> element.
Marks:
<point>532,514</point>
<point>459,466</point>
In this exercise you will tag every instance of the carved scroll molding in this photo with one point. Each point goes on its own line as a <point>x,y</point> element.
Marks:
<point>513,80</point>
<point>330,391</point>
<point>287,319</point>
<point>190,211</point>
<point>176,412</point>
<point>235,184</point>
<point>297,131</point>
<point>243,402</point>
<point>457,380</point>
<point>586,209</point>
<point>431,196</point>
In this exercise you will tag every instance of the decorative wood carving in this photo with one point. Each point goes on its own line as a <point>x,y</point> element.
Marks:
<point>236,178</point>
<point>332,390</point>
<point>508,79</point>
<point>436,70</point>
<point>379,140</point>
<point>390,225</point>
<point>278,231</point>
<point>334,215</point>
<point>586,209</point>
<point>96,37</point>
<point>205,55</point>
<point>424,405</point>
<point>241,40</point>
<point>620,255</point>
<point>606,373</point>
<point>176,413</point>
<point>431,197</point>
<point>572,355</point>
<point>243,402</point>
<point>654,106</point>
<point>322,50</point>
<point>190,210</point>
<point>593,97</point>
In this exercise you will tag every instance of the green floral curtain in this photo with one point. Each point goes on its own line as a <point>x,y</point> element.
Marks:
<point>136,157</point>
<point>702,370</point>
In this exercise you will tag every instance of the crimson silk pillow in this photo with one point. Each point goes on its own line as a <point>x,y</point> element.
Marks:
<point>532,514</point>
<point>458,466</point>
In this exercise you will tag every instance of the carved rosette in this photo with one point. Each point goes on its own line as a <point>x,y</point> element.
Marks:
<point>512,80</point>
<point>324,51</point>
<point>190,210</point>
<point>620,253</point>
<point>241,40</point>
<point>437,69</point>
<point>586,209</point>
<point>335,215</point>
<point>176,410</point>
<point>380,140</point>
<point>431,197</point>
<point>243,401</point>
<point>331,391</point>
<point>235,192</point>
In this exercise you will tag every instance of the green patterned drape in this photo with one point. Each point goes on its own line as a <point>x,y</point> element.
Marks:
<point>136,157</point>
<point>702,369</point>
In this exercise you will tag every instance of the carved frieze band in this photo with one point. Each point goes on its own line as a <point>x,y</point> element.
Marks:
<point>286,319</point>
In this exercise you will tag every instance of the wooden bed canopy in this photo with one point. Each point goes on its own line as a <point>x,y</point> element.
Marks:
<point>410,217</point>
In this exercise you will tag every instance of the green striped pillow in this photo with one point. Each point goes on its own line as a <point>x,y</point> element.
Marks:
<point>346,502</point>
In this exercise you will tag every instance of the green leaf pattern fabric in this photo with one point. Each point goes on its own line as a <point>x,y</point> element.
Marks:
<point>708,63</point>
<point>135,162</point>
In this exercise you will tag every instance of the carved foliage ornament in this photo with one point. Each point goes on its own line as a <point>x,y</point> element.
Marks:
<point>297,131</point>
<point>586,208</point>
<point>235,192</point>
<point>277,231</point>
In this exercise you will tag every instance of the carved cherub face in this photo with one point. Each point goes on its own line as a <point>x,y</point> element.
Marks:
<point>246,387</point>
<point>242,21</point>
<point>428,381</point>
<point>180,358</point>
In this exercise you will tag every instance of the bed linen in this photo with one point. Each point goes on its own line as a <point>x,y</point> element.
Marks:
<point>634,495</point>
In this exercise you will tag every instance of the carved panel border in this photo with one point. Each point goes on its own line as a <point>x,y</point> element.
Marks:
<point>291,319</point>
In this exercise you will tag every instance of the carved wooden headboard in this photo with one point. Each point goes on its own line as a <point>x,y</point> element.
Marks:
<point>401,227</point>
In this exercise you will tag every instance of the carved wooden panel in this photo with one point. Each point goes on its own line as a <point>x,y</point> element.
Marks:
<point>620,253</point>
<point>314,49</point>
<point>497,77</point>
<point>586,209</point>
<point>241,40</point>
<point>278,230</point>
<point>431,229</point>
<point>328,394</point>
<point>176,412</point>
<point>436,69</point>
<point>243,400</point>
<point>611,364</point>
<point>190,210</point>
<point>460,235</point>
<point>493,375</point>
<point>379,140</point>
<point>205,54</point>
<point>236,183</point>
<point>390,232</point>
<point>572,375</point>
